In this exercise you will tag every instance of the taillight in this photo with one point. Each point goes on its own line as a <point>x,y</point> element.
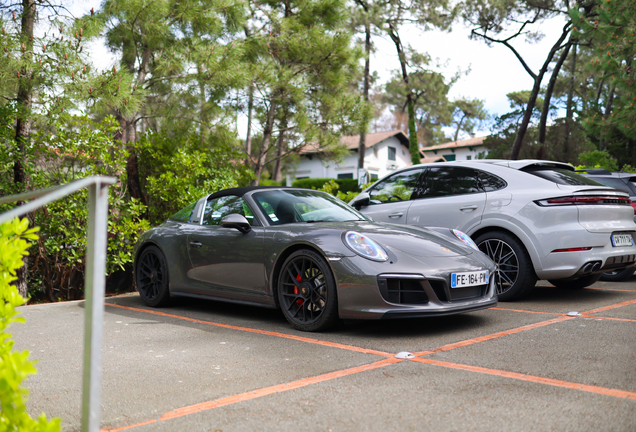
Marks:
<point>585,200</point>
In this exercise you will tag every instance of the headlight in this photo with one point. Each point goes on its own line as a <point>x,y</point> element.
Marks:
<point>364,246</point>
<point>465,239</point>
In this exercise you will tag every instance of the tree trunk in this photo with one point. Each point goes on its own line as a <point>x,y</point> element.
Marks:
<point>132,163</point>
<point>608,111</point>
<point>250,113</point>
<point>516,147</point>
<point>280,143</point>
<point>413,144</point>
<point>362,146</point>
<point>23,121</point>
<point>267,135</point>
<point>543,122</point>
<point>569,110</point>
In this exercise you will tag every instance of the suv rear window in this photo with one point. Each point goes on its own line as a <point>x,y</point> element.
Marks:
<point>561,176</point>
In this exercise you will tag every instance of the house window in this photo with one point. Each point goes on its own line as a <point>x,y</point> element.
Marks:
<point>300,178</point>
<point>449,157</point>
<point>345,176</point>
<point>469,157</point>
<point>392,153</point>
<point>373,176</point>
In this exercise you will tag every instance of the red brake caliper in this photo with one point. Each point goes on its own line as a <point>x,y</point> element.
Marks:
<point>299,302</point>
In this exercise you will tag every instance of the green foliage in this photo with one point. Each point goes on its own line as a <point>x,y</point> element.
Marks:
<point>65,149</point>
<point>609,26</point>
<point>270,182</point>
<point>598,159</point>
<point>178,171</point>
<point>15,367</point>
<point>345,185</point>
<point>332,186</point>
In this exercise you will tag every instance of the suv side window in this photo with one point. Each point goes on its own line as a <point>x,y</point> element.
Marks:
<point>398,187</point>
<point>490,182</point>
<point>446,181</point>
<point>216,209</point>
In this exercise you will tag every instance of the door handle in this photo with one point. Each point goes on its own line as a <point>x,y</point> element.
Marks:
<point>396,215</point>
<point>468,208</point>
<point>196,244</point>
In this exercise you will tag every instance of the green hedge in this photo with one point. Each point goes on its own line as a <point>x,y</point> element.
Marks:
<point>346,185</point>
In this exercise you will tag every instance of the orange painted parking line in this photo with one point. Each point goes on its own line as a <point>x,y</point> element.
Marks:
<point>468,342</point>
<point>275,389</point>
<point>263,332</point>
<point>606,308</point>
<point>527,311</point>
<point>129,426</point>
<point>612,289</point>
<point>611,318</point>
<point>532,378</point>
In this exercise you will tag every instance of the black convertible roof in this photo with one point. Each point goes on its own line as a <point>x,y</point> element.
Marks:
<point>240,191</point>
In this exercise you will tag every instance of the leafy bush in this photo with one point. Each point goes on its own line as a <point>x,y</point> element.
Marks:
<point>344,185</point>
<point>602,159</point>
<point>15,366</point>
<point>332,188</point>
<point>69,148</point>
<point>178,171</point>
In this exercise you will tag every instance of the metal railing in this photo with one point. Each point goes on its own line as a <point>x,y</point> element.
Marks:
<point>94,278</point>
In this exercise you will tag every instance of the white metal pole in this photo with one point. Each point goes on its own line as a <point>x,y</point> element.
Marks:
<point>94,287</point>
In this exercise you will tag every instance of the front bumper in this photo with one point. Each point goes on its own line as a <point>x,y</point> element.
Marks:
<point>362,296</point>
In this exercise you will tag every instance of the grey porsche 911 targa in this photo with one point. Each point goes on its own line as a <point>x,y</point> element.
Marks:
<point>312,256</point>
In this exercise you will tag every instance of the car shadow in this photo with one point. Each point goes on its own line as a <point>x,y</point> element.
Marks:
<point>273,319</point>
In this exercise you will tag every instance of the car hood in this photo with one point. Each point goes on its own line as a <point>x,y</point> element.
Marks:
<point>415,241</point>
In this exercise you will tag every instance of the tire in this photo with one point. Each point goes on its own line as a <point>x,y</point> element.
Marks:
<point>579,283</point>
<point>515,273</point>
<point>307,292</point>
<point>617,275</point>
<point>151,275</point>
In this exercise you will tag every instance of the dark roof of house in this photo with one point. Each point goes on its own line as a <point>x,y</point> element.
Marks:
<point>476,141</point>
<point>371,139</point>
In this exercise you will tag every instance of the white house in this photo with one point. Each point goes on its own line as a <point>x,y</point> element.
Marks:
<point>385,152</point>
<point>468,149</point>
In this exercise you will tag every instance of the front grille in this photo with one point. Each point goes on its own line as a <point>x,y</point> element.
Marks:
<point>402,291</point>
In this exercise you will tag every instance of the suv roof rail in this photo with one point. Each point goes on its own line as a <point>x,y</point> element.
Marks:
<point>593,171</point>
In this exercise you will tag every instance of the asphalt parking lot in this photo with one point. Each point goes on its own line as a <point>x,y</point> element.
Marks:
<point>209,366</point>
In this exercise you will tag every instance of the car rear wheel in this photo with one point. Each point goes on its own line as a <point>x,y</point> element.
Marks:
<point>617,275</point>
<point>307,292</point>
<point>152,277</point>
<point>579,283</point>
<point>514,272</point>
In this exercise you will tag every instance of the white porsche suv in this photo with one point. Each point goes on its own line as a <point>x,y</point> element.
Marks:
<point>536,219</point>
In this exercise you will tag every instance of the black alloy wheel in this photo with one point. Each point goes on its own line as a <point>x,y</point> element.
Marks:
<point>152,277</point>
<point>307,292</point>
<point>514,272</point>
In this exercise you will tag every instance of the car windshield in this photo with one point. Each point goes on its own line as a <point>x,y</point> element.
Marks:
<point>561,176</point>
<point>291,206</point>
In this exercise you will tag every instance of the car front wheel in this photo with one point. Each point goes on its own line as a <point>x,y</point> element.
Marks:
<point>307,292</point>
<point>514,271</point>
<point>152,277</point>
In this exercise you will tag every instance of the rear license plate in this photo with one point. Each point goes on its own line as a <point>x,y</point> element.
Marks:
<point>466,279</point>
<point>622,240</point>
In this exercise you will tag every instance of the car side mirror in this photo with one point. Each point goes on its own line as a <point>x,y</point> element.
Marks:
<point>236,221</point>
<point>360,201</point>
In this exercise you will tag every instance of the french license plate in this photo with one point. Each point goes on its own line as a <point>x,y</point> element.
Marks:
<point>467,279</point>
<point>622,240</point>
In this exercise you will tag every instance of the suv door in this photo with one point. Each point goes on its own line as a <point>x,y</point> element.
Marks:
<point>391,198</point>
<point>448,196</point>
